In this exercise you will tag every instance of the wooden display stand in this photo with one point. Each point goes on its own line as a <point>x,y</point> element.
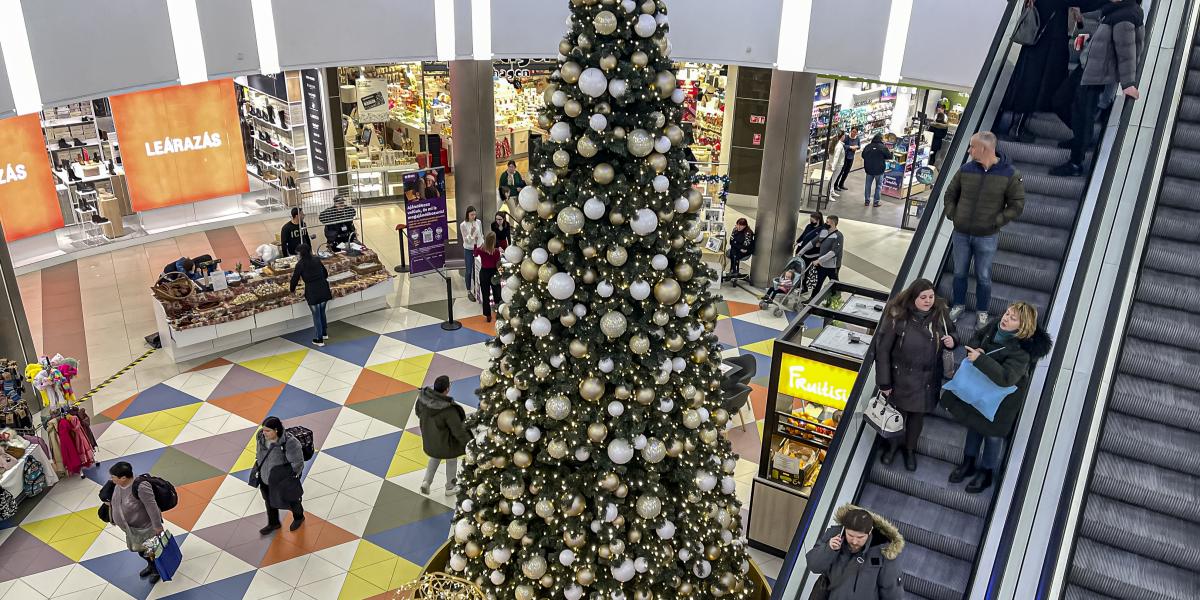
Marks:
<point>110,208</point>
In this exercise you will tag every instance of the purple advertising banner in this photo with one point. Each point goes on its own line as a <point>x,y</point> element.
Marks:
<point>425,212</point>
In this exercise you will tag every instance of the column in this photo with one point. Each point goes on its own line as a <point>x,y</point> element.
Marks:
<point>781,186</point>
<point>16,343</point>
<point>474,138</point>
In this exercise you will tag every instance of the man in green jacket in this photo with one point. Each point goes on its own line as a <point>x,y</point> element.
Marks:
<point>986,194</point>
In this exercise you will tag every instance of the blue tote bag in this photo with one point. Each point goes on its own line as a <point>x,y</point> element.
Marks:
<point>975,388</point>
<point>168,560</point>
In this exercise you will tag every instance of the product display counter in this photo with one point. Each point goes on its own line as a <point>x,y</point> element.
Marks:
<point>256,305</point>
<point>814,366</point>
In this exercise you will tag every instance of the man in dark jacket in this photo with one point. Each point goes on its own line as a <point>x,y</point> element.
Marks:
<point>1111,58</point>
<point>986,194</point>
<point>294,232</point>
<point>443,434</point>
<point>857,561</point>
<point>875,157</point>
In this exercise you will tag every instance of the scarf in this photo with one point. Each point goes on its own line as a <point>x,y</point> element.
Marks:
<point>1003,336</point>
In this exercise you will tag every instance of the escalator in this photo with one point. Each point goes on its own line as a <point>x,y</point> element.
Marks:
<point>1137,532</point>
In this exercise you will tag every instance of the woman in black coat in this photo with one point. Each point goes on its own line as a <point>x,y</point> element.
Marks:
<point>1005,350</point>
<point>908,360</point>
<point>316,290</point>
<point>741,246</point>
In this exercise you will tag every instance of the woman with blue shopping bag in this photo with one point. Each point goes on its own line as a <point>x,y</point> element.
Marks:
<point>989,389</point>
<point>135,510</point>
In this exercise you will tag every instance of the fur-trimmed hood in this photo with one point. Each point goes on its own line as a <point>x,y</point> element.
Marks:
<point>885,536</point>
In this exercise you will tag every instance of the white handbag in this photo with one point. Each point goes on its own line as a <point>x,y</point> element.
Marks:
<point>884,417</point>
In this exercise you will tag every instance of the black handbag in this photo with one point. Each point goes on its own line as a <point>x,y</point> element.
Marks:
<point>949,360</point>
<point>820,590</point>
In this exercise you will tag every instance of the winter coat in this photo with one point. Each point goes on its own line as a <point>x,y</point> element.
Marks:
<point>830,255</point>
<point>1113,51</point>
<point>875,157</point>
<point>279,471</point>
<point>843,577</point>
<point>811,232</point>
<point>442,431</point>
<point>1043,66</point>
<point>510,185</point>
<point>908,359</point>
<point>316,281</point>
<point>851,145</point>
<point>741,243</point>
<point>1012,364</point>
<point>980,201</point>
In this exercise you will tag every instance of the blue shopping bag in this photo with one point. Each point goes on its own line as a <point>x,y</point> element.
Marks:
<point>973,387</point>
<point>168,560</point>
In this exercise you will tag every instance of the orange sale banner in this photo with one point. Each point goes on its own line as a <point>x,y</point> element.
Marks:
<point>181,144</point>
<point>28,199</point>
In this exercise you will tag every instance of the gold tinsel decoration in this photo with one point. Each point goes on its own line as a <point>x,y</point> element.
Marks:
<point>440,586</point>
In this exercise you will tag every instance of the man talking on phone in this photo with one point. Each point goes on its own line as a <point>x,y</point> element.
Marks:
<point>857,559</point>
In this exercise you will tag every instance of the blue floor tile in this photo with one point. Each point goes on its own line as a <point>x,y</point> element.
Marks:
<point>156,398</point>
<point>233,588</point>
<point>294,402</point>
<point>463,391</point>
<point>372,455</point>
<point>416,542</point>
<point>436,339</point>
<point>142,462</point>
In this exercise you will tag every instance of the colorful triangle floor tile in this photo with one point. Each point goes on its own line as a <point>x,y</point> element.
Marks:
<point>372,384</point>
<point>164,425</point>
<point>373,455</point>
<point>252,405</point>
<point>279,366</point>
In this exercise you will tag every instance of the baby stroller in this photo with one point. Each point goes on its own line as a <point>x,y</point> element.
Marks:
<point>804,277</point>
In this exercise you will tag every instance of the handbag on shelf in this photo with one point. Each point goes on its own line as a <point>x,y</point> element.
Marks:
<point>884,417</point>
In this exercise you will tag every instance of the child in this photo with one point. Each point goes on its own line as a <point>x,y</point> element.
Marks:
<point>782,285</point>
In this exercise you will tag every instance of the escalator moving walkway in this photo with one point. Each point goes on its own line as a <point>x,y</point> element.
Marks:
<point>1138,532</point>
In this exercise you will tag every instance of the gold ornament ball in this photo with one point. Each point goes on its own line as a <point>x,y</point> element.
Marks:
<point>533,305</point>
<point>605,22</point>
<point>534,567</point>
<point>585,576</point>
<point>700,355</point>
<point>488,529</point>
<point>678,242</point>
<point>604,552</point>
<point>645,396</point>
<point>545,209</point>
<point>589,252</point>
<point>589,276</point>
<point>554,246</point>
<point>561,157</point>
<point>522,459</point>
<point>728,580</point>
<point>720,417</point>
<point>639,344</point>
<point>585,41</point>
<point>541,370</point>
<point>667,291</point>
<point>490,561</point>
<point>689,445</point>
<point>586,146</point>
<point>597,432</point>
<point>685,589</point>
<point>528,225</point>
<point>675,450</point>
<point>567,320</point>
<point>564,47</point>
<point>574,540</point>
<point>695,200</point>
<point>708,436</point>
<point>661,317</point>
<point>617,255</point>
<point>591,388</point>
<point>684,272</point>
<point>708,313</point>
<point>658,162</point>
<point>556,449</point>
<point>529,269</point>
<point>618,547</point>
<point>544,508</point>
<point>570,71</point>
<point>635,536</point>
<point>643,595</point>
<point>544,121</point>
<point>622,491</point>
<point>545,272</point>
<point>487,379</point>
<point>499,462</point>
<point>577,348</point>
<point>639,58</point>
<point>675,343</point>
<point>610,481</point>
<point>712,552</point>
<point>608,62</point>
<point>604,108</point>
<point>674,133</point>
<point>649,7</point>
<point>573,109</point>
<point>619,133</point>
<point>622,392</point>
<point>472,549</point>
<point>616,218</point>
<point>517,530</point>
<point>547,581</point>
<point>691,419</point>
<point>603,173</point>
<point>523,592</point>
<point>505,421</point>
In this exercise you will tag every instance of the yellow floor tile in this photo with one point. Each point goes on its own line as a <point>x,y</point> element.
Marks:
<point>357,588</point>
<point>406,572</point>
<point>369,554</point>
<point>764,347</point>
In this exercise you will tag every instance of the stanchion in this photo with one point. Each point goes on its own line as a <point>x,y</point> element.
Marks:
<point>403,266</point>
<point>450,324</point>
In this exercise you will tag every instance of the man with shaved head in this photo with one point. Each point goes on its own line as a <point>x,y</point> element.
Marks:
<point>985,195</point>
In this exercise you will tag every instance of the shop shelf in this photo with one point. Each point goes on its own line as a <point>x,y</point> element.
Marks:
<point>53,147</point>
<point>67,122</point>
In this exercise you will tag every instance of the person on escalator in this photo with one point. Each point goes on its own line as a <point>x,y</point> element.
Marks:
<point>1005,351</point>
<point>1111,59</point>
<point>986,194</point>
<point>908,361</point>
<point>857,559</point>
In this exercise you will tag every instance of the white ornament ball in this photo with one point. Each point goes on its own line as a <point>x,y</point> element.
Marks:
<point>514,254</point>
<point>706,481</point>
<point>582,454</point>
<point>540,326</point>
<point>661,184</point>
<point>458,562</point>
<point>678,96</point>
<point>681,205</point>
<point>572,592</point>
<point>666,81</point>
<point>561,286</point>
<point>501,554</point>
<point>561,132</point>
<point>593,82</point>
<point>615,408</point>
<point>606,365</point>
<point>639,290</point>
<point>539,256</point>
<point>518,509</point>
<point>597,122</point>
<point>579,310</point>
<point>593,208</point>
<point>556,361</point>
<point>549,178</point>
<point>639,142</point>
<point>565,558</point>
<point>508,338</point>
<point>645,221</point>
<point>496,578</point>
<point>662,145</point>
<point>533,434</point>
<point>624,571</point>
<point>666,531</point>
<point>604,288</point>
<point>678,364</point>
<point>658,262</point>
<point>639,442</point>
<point>464,529</point>
<point>645,26</point>
<point>558,98</point>
<point>619,451</point>
<point>506,294</point>
<point>629,6</point>
<point>617,88</point>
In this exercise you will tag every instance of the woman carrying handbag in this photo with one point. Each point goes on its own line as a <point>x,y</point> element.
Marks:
<point>911,341</point>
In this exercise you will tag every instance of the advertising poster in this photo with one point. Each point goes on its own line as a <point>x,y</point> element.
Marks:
<point>425,213</point>
<point>815,381</point>
<point>372,100</point>
<point>28,200</point>
<point>181,144</point>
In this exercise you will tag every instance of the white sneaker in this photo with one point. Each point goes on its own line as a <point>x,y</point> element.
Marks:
<point>956,312</point>
<point>982,317</point>
<point>452,490</point>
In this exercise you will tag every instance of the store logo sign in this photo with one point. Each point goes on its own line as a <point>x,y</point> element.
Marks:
<point>815,381</point>
<point>758,119</point>
<point>170,145</point>
<point>12,172</point>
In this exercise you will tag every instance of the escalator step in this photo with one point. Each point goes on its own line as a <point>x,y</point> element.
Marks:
<point>1191,86</point>
<point>1173,257</point>
<point>1152,443</point>
<point>1182,163</point>
<point>1035,240</point>
<point>1156,401</point>
<point>942,439</point>
<point>1074,592</point>
<point>1168,289</point>
<point>1125,575</point>
<point>1179,328</point>
<point>1027,273</point>
<point>934,575</point>
<point>1135,529</point>
<point>1176,224</point>
<point>1179,192</point>
<point>931,525</point>
<point>1048,126</point>
<point>1189,109</point>
<point>931,483</point>
<point>1050,211</point>
<point>1168,364</point>
<point>1002,295</point>
<point>1026,155</point>
<point>1065,187</point>
<point>1161,490</point>
<point>1187,135</point>
<point>1194,60</point>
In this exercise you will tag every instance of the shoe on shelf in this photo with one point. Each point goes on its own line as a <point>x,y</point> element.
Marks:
<point>956,311</point>
<point>982,481</point>
<point>910,460</point>
<point>1067,169</point>
<point>888,455</point>
<point>318,343</point>
<point>452,490</point>
<point>982,318</point>
<point>77,141</point>
<point>269,528</point>
<point>425,487</point>
<point>62,144</point>
<point>296,523</point>
<point>963,471</point>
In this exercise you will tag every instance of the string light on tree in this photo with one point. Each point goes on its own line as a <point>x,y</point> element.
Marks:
<point>597,470</point>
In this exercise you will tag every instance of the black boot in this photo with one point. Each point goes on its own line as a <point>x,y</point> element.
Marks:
<point>888,455</point>
<point>982,481</point>
<point>148,570</point>
<point>910,460</point>
<point>964,470</point>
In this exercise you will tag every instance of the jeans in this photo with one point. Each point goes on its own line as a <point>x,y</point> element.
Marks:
<point>840,182</point>
<point>992,449</point>
<point>1083,120</point>
<point>273,513</point>
<point>320,325</point>
<point>873,181</point>
<point>470,275</point>
<point>451,470</point>
<point>982,250</point>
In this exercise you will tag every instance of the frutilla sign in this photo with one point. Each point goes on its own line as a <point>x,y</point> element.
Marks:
<point>815,381</point>
<point>28,198</point>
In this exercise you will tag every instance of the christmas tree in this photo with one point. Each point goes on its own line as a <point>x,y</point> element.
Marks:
<point>598,468</point>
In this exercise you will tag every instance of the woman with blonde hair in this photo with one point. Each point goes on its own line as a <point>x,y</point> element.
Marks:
<point>1005,350</point>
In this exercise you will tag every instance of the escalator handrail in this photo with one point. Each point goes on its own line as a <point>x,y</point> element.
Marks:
<point>1129,273</point>
<point>915,261</point>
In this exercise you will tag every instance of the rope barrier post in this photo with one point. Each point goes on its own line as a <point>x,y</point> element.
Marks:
<point>403,266</point>
<point>450,324</point>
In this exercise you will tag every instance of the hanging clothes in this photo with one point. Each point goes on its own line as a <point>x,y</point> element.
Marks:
<point>56,455</point>
<point>73,463</point>
<point>86,421</point>
<point>87,455</point>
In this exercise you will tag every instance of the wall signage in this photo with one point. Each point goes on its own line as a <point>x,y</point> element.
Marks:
<point>28,198</point>
<point>314,109</point>
<point>815,381</point>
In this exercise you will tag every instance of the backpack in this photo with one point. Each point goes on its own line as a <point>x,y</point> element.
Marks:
<point>35,479</point>
<point>165,495</point>
<point>303,435</point>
